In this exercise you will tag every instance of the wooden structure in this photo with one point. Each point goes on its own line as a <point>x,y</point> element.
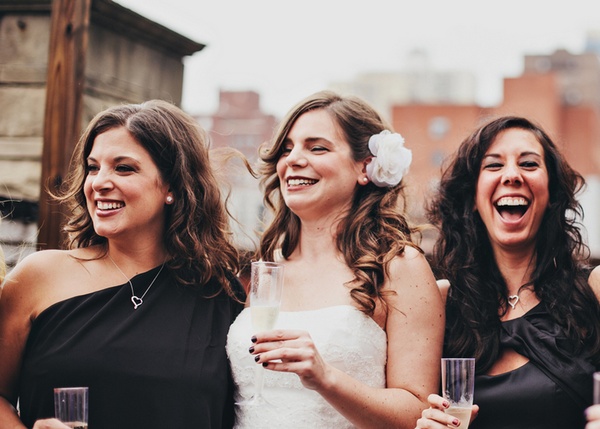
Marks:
<point>61,62</point>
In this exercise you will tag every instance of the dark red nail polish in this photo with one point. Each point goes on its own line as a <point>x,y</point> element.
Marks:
<point>265,364</point>
<point>253,339</point>
<point>251,349</point>
<point>256,358</point>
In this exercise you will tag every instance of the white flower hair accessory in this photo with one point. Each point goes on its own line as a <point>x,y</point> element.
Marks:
<point>390,159</point>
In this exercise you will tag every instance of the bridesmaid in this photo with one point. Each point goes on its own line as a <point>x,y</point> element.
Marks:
<point>523,299</point>
<point>139,306</point>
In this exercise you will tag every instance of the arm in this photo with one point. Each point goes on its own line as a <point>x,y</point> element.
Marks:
<point>594,281</point>
<point>415,324</point>
<point>21,291</point>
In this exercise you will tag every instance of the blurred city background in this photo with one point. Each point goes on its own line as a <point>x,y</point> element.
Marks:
<point>62,61</point>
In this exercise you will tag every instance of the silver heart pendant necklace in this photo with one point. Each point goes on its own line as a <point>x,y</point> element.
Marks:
<point>136,300</point>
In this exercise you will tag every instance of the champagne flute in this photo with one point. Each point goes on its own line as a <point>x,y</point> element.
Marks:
<point>266,284</point>
<point>458,382</point>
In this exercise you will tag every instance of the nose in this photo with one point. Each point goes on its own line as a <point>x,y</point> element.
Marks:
<point>296,158</point>
<point>101,181</point>
<point>511,174</point>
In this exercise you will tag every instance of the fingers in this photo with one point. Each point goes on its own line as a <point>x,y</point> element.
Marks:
<point>277,335</point>
<point>49,424</point>
<point>285,351</point>
<point>593,417</point>
<point>436,401</point>
<point>433,418</point>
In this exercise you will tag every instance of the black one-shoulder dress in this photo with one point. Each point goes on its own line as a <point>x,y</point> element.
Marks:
<point>160,366</point>
<point>551,391</point>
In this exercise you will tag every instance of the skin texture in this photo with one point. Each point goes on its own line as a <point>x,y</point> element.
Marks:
<point>318,179</point>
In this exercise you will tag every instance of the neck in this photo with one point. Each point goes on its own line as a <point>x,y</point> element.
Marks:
<point>516,268</point>
<point>134,260</point>
<point>317,239</point>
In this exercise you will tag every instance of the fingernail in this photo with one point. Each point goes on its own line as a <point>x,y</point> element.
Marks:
<point>251,349</point>
<point>445,404</point>
<point>265,364</point>
<point>455,422</point>
<point>253,339</point>
<point>256,358</point>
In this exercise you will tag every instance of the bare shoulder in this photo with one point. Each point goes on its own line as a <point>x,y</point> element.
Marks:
<point>412,280</point>
<point>38,279</point>
<point>594,281</point>
<point>411,269</point>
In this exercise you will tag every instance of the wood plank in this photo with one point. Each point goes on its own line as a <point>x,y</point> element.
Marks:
<point>65,84</point>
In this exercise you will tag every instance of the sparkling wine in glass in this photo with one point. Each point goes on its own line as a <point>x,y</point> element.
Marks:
<point>266,284</point>
<point>458,381</point>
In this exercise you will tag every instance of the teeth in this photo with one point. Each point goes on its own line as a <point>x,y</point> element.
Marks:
<point>301,182</point>
<point>512,201</point>
<point>109,206</point>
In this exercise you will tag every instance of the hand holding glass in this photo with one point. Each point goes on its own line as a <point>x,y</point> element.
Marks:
<point>458,381</point>
<point>266,284</point>
<point>71,406</point>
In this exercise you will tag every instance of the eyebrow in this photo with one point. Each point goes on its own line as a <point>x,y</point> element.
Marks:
<point>527,153</point>
<point>117,159</point>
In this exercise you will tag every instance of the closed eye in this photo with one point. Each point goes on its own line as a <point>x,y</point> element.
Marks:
<point>124,168</point>
<point>493,166</point>
<point>91,168</point>
<point>529,164</point>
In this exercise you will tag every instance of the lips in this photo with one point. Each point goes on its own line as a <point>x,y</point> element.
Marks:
<point>512,208</point>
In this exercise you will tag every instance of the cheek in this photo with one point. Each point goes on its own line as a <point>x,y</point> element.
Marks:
<point>280,168</point>
<point>87,187</point>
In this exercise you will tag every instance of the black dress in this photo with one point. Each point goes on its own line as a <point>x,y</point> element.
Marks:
<point>551,391</point>
<point>162,365</point>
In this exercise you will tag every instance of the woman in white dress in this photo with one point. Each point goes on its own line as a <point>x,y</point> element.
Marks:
<point>359,336</point>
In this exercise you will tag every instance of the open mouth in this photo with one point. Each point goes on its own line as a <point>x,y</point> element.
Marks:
<point>112,205</point>
<point>301,182</point>
<point>512,208</point>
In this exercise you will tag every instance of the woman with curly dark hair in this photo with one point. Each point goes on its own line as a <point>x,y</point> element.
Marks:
<point>359,336</point>
<point>523,299</point>
<point>139,306</point>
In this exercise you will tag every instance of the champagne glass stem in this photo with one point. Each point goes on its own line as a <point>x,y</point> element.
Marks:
<point>259,381</point>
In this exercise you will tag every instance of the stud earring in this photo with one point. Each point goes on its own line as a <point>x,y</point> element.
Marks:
<point>169,200</point>
<point>366,179</point>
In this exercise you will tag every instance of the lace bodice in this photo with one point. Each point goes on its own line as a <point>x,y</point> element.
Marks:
<point>345,337</point>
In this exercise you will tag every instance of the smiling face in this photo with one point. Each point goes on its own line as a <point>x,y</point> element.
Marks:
<point>124,192</point>
<point>317,173</point>
<point>512,191</point>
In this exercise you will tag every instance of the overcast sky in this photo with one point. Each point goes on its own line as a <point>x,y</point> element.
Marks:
<point>286,50</point>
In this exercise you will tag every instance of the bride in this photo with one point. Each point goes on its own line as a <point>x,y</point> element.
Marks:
<point>359,337</point>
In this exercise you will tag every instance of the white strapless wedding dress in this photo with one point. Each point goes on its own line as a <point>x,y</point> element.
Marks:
<point>344,336</point>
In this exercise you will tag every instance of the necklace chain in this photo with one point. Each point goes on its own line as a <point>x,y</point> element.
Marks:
<point>136,300</point>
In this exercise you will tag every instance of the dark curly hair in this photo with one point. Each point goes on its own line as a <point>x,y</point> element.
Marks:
<point>375,228</point>
<point>464,256</point>
<point>197,237</point>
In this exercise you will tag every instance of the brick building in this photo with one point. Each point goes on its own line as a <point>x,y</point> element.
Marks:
<point>240,123</point>
<point>563,96</point>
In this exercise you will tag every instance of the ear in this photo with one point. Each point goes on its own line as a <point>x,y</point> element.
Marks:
<point>363,179</point>
<point>169,198</point>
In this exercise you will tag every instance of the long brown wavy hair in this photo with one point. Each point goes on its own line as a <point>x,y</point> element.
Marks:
<point>464,256</point>
<point>197,234</point>
<point>375,228</point>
